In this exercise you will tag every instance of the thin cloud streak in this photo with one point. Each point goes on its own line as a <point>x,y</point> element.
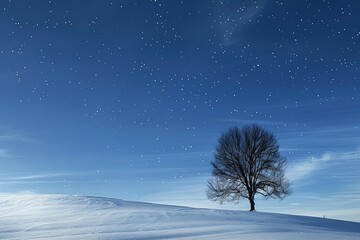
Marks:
<point>304,168</point>
<point>247,121</point>
<point>4,153</point>
<point>16,138</point>
<point>40,176</point>
<point>231,24</point>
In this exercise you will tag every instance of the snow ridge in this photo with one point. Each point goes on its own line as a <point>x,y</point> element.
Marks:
<point>32,216</point>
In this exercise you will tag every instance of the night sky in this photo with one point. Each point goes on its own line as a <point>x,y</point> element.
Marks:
<point>126,99</point>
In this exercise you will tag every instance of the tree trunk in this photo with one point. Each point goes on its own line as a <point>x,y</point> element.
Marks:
<point>252,203</point>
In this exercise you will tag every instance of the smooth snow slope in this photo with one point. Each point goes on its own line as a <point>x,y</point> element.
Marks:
<point>73,217</point>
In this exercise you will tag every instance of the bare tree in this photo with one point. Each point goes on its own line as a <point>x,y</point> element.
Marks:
<point>247,162</point>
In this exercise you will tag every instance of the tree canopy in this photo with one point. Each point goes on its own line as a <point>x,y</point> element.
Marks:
<point>247,162</point>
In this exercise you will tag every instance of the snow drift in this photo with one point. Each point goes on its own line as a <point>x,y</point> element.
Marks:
<point>34,216</point>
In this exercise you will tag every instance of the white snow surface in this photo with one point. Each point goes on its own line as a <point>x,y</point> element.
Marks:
<point>32,216</point>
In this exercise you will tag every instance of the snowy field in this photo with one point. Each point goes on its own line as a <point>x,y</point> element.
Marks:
<point>74,217</point>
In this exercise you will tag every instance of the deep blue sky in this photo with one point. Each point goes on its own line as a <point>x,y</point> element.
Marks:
<point>127,99</point>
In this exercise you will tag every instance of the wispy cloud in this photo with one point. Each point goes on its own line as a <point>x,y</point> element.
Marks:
<point>305,167</point>
<point>4,153</point>
<point>8,134</point>
<point>7,137</point>
<point>235,16</point>
<point>40,176</point>
<point>302,169</point>
<point>247,121</point>
<point>15,138</point>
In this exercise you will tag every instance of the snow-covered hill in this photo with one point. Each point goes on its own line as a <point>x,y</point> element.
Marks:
<point>34,216</point>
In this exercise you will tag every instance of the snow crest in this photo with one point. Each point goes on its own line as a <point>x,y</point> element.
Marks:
<point>32,216</point>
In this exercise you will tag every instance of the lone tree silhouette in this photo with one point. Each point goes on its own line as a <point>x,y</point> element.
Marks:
<point>247,162</point>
